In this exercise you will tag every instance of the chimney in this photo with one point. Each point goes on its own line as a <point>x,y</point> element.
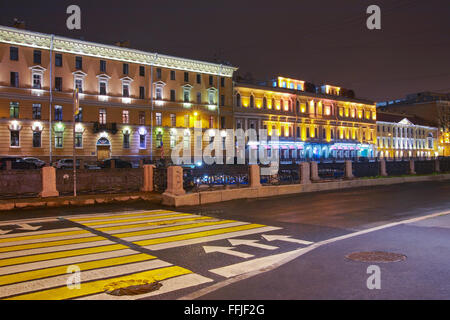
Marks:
<point>123,43</point>
<point>19,24</point>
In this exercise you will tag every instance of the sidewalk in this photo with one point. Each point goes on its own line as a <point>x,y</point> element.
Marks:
<point>81,200</point>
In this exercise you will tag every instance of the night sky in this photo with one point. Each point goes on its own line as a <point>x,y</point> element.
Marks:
<point>321,41</point>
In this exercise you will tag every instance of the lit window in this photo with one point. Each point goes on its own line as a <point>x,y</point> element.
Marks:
<point>158,119</point>
<point>14,110</point>
<point>125,117</point>
<point>15,138</point>
<point>58,113</point>
<point>102,116</point>
<point>78,140</point>
<point>37,141</point>
<point>142,141</point>
<point>58,139</point>
<point>126,140</point>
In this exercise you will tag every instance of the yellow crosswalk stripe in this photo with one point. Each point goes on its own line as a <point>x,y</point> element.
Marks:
<point>50,244</point>
<point>138,225</point>
<point>167,229</point>
<point>42,236</point>
<point>94,287</point>
<point>121,216</point>
<point>135,219</point>
<point>197,235</point>
<point>57,255</point>
<point>84,266</point>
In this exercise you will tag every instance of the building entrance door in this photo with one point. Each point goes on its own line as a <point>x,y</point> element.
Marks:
<point>103,149</point>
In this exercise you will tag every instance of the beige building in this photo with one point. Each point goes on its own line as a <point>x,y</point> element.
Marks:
<point>134,104</point>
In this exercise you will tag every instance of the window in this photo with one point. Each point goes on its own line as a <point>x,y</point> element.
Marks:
<point>141,93</point>
<point>172,95</point>
<point>37,56</point>
<point>187,95</point>
<point>37,81</point>
<point>78,140</point>
<point>222,82</point>
<point>102,85</point>
<point>211,95</point>
<point>238,100</point>
<point>199,97</point>
<point>186,121</point>
<point>211,80</point>
<point>199,78</point>
<point>58,83</point>
<point>158,119</point>
<point>125,68</point>
<point>37,141</point>
<point>125,117</point>
<point>142,142</point>
<point>211,122</point>
<point>142,71</point>
<point>159,140</point>
<point>173,120</point>
<point>172,75</point>
<point>222,100</point>
<point>265,103</point>
<point>14,110</point>
<point>222,122</point>
<point>58,113</point>
<point>173,141</point>
<point>58,60</point>
<point>79,116</point>
<point>102,66</point>
<point>36,111</point>
<point>126,140</point>
<point>158,93</point>
<point>186,77</point>
<point>125,90</point>
<point>14,79</point>
<point>78,63</point>
<point>58,139</point>
<point>79,84</point>
<point>15,138</point>
<point>158,73</point>
<point>14,53</point>
<point>142,117</point>
<point>102,116</point>
<point>252,101</point>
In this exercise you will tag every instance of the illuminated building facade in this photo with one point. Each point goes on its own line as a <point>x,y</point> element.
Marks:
<point>399,137</point>
<point>310,125</point>
<point>131,101</point>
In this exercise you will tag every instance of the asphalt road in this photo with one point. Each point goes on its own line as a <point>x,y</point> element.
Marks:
<point>278,235</point>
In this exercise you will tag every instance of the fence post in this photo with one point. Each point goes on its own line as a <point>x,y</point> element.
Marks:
<point>255,176</point>
<point>437,167</point>
<point>148,178</point>
<point>314,171</point>
<point>175,181</point>
<point>411,167</point>
<point>348,169</point>
<point>49,182</point>
<point>305,173</point>
<point>383,171</point>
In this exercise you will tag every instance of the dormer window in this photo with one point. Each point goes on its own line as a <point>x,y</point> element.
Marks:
<point>37,76</point>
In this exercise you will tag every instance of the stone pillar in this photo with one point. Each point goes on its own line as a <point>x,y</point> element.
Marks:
<point>314,171</point>
<point>175,181</point>
<point>148,178</point>
<point>254,176</point>
<point>348,169</point>
<point>437,167</point>
<point>383,171</point>
<point>305,173</point>
<point>49,183</point>
<point>411,167</point>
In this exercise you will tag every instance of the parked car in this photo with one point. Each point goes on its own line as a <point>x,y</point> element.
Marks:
<point>66,164</point>
<point>16,163</point>
<point>38,162</point>
<point>119,163</point>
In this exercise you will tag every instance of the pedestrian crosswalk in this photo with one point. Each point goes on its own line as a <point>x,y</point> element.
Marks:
<point>108,248</point>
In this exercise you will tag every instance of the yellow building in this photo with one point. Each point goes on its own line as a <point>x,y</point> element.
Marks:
<point>311,125</point>
<point>130,100</point>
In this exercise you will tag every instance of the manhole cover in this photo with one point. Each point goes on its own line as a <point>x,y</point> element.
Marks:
<point>376,256</point>
<point>132,287</point>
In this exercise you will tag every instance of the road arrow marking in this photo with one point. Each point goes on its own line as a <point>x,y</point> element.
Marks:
<point>227,250</point>
<point>285,238</point>
<point>5,231</point>
<point>251,243</point>
<point>26,226</point>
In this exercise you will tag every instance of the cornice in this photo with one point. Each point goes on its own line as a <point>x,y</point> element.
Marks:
<point>73,46</point>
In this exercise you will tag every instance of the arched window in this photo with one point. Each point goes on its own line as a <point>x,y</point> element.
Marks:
<point>238,100</point>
